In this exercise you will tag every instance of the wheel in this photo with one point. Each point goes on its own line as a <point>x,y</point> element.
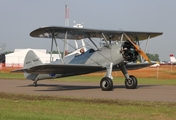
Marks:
<point>131,83</point>
<point>106,84</point>
<point>35,84</point>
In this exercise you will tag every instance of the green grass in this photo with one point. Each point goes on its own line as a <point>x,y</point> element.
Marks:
<point>11,76</point>
<point>30,107</point>
<point>84,78</point>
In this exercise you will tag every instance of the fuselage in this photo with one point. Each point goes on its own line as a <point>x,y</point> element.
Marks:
<point>103,56</point>
<point>114,54</point>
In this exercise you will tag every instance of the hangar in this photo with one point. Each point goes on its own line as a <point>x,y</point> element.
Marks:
<point>16,59</point>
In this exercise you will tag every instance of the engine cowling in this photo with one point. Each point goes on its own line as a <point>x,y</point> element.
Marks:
<point>128,51</point>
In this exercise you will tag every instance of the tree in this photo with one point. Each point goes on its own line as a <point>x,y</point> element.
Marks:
<point>7,52</point>
<point>153,57</point>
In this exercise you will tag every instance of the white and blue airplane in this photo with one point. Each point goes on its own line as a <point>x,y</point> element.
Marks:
<point>119,51</point>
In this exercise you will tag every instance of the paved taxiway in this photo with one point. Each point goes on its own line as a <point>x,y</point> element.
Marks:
<point>90,90</point>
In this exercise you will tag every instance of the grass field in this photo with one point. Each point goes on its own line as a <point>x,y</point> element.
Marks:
<point>89,78</point>
<point>29,107</point>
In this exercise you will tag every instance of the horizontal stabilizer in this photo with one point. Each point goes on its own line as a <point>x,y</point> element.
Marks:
<point>19,70</point>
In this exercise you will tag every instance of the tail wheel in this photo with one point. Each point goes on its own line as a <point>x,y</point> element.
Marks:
<point>131,83</point>
<point>106,84</point>
<point>35,84</point>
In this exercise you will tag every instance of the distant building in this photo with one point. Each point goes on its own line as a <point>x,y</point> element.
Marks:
<point>16,59</point>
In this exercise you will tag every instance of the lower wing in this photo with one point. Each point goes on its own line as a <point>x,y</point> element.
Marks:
<point>134,66</point>
<point>75,68</point>
<point>61,69</point>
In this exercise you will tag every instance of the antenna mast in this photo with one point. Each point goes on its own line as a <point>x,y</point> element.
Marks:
<point>66,24</point>
<point>66,15</point>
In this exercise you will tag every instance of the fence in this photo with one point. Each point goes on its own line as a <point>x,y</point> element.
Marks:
<point>162,72</point>
<point>4,68</point>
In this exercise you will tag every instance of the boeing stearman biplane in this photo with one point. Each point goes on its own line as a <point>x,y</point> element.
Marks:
<point>120,48</point>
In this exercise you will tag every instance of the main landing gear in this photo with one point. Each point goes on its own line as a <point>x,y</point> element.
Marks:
<point>130,81</point>
<point>106,83</point>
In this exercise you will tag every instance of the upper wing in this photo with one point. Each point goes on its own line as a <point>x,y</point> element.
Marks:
<point>80,33</point>
<point>68,69</point>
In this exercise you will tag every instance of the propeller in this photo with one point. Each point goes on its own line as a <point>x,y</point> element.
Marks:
<point>137,49</point>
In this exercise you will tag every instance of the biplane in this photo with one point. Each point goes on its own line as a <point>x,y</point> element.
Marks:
<point>120,49</point>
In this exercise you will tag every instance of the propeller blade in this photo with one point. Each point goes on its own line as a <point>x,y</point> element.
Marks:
<point>138,50</point>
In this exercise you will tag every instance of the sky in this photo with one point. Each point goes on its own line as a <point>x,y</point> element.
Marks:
<point>19,17</point>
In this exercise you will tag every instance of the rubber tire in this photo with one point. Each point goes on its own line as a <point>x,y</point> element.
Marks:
<point>106,84</point>
<point>35,84</point>
<point>133,84</point>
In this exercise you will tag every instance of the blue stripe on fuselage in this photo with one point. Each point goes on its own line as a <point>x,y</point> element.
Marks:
<point>82,58</point>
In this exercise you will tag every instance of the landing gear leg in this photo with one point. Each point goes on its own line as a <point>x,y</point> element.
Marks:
<point>35,83</point>
<point>130,81</point>
<point>106,83</point>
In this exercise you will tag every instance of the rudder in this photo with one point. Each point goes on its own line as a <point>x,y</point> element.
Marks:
<point>31,60</point>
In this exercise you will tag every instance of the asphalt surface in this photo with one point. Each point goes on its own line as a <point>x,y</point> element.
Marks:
<point>161,93</point>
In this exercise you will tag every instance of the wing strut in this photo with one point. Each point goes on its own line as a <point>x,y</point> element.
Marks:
<point>58,50</point>
<point>121,38</point>
<point>137,49</point>
<point>105,40</point>
<point>65,44</point>
<point>93,43</point>
<point>54,39</point>
<point>141,58</point>
<point>51,47</point>
<point>145,50</point>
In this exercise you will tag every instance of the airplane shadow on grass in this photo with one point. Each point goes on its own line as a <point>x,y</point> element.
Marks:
<point>80,87</point>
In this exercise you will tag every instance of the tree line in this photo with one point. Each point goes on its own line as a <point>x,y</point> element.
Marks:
<point>153,57</point>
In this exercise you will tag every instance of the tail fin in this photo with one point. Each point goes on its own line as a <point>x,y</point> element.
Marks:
<point>31,60</point>
<point>172,58</point>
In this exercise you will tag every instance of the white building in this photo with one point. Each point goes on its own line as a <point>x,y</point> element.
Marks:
<point>16,59</point>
